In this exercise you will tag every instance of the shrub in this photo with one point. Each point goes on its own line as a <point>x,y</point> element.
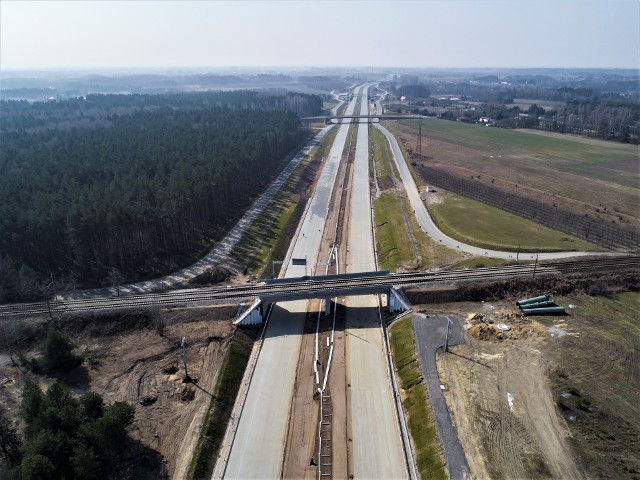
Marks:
<point>56,353</point>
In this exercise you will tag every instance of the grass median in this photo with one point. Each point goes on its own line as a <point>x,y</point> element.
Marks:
<point>420,418</point>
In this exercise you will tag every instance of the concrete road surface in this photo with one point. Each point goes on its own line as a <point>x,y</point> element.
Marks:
<point>258,447</point>
<point>427,224</point>
<point>375,435</point>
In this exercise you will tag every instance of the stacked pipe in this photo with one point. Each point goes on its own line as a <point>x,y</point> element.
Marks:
<point>542,305</point>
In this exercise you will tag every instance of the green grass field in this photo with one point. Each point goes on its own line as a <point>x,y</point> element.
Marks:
<point>488,227</point>
<point>420,418</point>
<point>542,143</point>
<point>596,172</point>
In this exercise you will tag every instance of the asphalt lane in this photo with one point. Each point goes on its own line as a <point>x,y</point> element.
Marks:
<point>430,336</point>
<point>376,444</point>
<point>260,439</point>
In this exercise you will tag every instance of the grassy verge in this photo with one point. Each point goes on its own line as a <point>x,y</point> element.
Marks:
<point>392,235</point>
<point>420,418</point>
<point>488,227</point>
<point>224,396</point>
<point>406,153</point>
<point>392,239</point>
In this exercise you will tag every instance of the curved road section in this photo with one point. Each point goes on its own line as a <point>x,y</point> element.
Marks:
<point>429,227</point>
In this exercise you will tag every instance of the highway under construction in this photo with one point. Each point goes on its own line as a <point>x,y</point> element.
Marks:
<point>319,397</point>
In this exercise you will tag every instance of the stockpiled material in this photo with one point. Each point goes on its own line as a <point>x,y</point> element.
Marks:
<point>542,305</point>
<point>542,298</point>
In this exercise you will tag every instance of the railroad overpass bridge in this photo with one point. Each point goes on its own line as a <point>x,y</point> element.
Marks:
<point>328,287</point>
<point>271,291</point>
<point>328,119</point>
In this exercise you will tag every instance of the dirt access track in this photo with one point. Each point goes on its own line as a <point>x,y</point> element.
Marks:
<point>137,359</point>
<point>555,397</point>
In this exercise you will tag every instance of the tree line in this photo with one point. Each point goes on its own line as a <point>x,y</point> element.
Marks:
<point>100,108</point>
<point>145,192</point>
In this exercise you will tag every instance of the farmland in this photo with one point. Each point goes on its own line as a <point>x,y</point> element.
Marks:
<point>583,187</point>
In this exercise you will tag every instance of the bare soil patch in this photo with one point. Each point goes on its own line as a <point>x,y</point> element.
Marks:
<point>136,358</point>
<point>554,397</point>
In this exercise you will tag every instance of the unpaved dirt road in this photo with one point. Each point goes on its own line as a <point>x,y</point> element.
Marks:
<point>500,399</point>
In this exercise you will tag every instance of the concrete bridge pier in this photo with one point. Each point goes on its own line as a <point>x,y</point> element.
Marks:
<point>327,306</point>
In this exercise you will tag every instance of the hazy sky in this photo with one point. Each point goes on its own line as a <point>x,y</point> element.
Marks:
<point>428,33</point>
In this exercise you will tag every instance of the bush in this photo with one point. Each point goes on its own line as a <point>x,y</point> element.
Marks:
<point>57,353</point>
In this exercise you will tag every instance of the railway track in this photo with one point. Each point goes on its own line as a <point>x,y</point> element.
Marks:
<point>310,287</point>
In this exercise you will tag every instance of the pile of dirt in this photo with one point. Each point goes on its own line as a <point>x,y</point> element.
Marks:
<point>501,325</point>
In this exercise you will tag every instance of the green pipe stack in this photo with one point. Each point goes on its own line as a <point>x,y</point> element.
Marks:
<point>541,305</point>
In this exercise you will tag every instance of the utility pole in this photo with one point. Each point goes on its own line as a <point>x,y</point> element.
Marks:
<point>419,145</point>
<point>46,297</point>
<point>535,266</point>
<point>518,253</point>
<point>183,346</point>
<point>446,338</point>
<point>49,308</point>
<point>53,287</point>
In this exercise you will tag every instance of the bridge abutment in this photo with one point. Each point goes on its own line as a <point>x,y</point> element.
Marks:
<point>396,301</point>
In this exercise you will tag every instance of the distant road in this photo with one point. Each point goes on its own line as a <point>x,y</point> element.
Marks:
<point>260,439</point>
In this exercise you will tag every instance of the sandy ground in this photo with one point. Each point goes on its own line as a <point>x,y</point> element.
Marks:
<point>145,365</point>
<point>501,400</point>
<point>142,364</point>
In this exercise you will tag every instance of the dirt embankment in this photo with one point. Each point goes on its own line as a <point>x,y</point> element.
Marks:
<point>136,357</point>
<point>607,284</point>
